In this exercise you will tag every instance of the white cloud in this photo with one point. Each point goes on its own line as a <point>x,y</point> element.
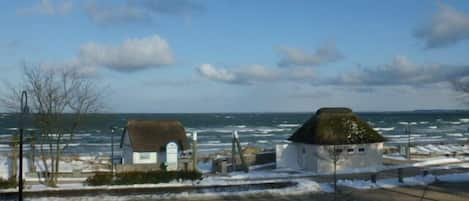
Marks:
<point>448,26</point>
<point>139,10</point>
<point>48,7</point>
<point>132,55</point>
<point>212,73</point>
<point>298,57</point>
<point>255,73</point>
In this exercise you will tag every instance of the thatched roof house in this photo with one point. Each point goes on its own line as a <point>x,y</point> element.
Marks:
<point>331,131</point>
<point>331,126</point>
<point>148,141</point>
<point>153,135</point>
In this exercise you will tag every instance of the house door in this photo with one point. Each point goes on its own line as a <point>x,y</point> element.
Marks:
<point>172,156</point>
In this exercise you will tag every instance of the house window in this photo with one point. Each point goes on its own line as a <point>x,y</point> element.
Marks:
<point>361,150</point>
<point>144,156</point>
<point>338,151</point>
<point>350,150</point>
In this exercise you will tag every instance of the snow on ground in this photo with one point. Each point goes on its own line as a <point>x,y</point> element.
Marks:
<point>408,181</point>
<point>387,183</point>
<point>395,156</point>
<point>441,149</point>
<point>458,177</point>
<point>304,186</point>
<point>436,161</point>
<point>4,167</point>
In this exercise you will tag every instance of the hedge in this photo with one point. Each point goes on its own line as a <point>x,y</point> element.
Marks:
<point>8,183</point>
<point>150,177</point>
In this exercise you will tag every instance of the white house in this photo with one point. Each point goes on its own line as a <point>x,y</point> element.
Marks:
<point>332,133</point>
<point>154,142</point>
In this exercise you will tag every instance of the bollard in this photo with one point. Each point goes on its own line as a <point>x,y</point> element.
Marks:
<point>224,167</point>
<point>399,175</point>
<point>425,173</point>
<point>373,178</point>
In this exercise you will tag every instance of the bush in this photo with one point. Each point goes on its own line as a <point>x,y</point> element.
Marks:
<point>150,177</point>
<point>8,183</point>
<point>99,179</point>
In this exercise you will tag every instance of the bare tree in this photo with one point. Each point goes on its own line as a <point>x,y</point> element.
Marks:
<point>59,100</point>
<point>462,85</point>
<point>334,153</point>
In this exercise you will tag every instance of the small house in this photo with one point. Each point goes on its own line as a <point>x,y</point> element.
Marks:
<point>332,137</point>
<point>153,144</point>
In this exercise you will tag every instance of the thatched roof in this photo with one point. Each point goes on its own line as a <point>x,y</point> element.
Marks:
<point>153,135</point>
<point>335,126</point>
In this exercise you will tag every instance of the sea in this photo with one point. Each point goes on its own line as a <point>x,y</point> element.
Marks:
<point>257,129</point>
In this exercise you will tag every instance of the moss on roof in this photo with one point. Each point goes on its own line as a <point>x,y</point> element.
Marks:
<point>335,126</point>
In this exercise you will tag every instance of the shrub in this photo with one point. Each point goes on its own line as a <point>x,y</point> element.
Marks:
<point>99,179</point>
<point>150,177</point>
<point>8,183</point>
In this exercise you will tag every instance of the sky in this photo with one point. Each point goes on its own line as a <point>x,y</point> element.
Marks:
<point>185,56</point>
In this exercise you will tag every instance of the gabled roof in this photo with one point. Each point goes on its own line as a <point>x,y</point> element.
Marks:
<point>333,126</point>
<point>153,135</point>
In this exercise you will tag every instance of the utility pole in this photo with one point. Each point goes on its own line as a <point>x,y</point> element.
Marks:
<point>24,110</point>
<point>233,153</point>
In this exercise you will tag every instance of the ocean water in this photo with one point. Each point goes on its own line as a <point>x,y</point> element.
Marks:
<point>259,129</point>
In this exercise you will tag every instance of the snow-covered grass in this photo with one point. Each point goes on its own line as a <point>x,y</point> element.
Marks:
<point>387,183</point>
<point>436,161</point>
<point>303,186</point>
<point>395,156</point>
<point>4,167</point>
<point>408,181</point>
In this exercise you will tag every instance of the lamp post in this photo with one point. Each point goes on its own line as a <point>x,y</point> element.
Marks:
<point>24,110</point>
<point>113,129</point>
<point>408,141</point>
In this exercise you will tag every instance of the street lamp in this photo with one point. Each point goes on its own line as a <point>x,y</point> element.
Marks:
<point>113,129</point>
<point>24,110</point>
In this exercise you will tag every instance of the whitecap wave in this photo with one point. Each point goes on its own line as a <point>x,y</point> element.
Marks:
<point>384,129</point>
<point>464,120</point>
<point>455,134</point>
<point>288,125</point>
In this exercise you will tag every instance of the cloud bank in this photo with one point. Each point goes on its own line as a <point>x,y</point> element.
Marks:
<point>253,74</point>
<point>131,55</point>
<point>401,71</point>
<point>447,27</point>
<point>298,57</point>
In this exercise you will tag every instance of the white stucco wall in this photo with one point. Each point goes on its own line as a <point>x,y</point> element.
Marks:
<point>317,158</point>
<point>127,153</point>
<point>286,156</point>
<point>151,159</point>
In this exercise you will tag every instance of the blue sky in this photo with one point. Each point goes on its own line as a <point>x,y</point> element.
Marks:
<point>247,56</point>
